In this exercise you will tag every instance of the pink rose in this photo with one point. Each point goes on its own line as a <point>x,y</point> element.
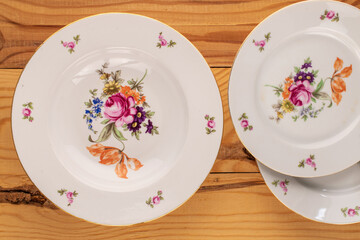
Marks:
<point>211,124</point>
<point>285,189</point>
<point>207,116</point>
<point>244,123</point>
<point>65,44</point>
<point>330,14</point>
<point>69,195</point>
<point>351,212</point>
<point>300,93</point>
<point>262,43</point>
<point>256,43</point>
<point>282,184</point>
<point>26,112</point>
<point>120,109</point>
<point>156,200</point>
<point>70,200</point>
<point>71,45</point>
<point>309,161</point>
<point>163,42</point>
<point>160,37</point>
<point>313,164</point>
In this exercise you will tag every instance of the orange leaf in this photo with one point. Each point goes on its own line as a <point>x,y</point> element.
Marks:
<point>134,164</point>
<point>338,85</point>
<point>110,156</point>
<point>336,97</point>
<point>338,64</point>
<point>346,72</point>
<point>121,169</point>
<point>96,149</point>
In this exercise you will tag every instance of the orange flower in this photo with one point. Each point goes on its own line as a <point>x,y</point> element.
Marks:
<point>96,149</point>
<point>141,100</point>
<point>112,155</point>
<point>126,90</point>
<point>337,83</point>
<point>286,92</point>
<point>135,95</point>
<point>121,170</point>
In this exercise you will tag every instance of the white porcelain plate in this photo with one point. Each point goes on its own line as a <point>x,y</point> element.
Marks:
<point>330,199</point>
<point>117,119</point>
<point>293,89</point>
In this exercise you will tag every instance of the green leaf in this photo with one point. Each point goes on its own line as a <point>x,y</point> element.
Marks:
<point>118,135</point>
<point>319,86</point>
<point>31,119</point>
<point>312,156</point>
<point>315,73</point>
<point>145,105</point>
<point>212,118</point>
<point>137,135</point>
<point>30,104</point>
<point>159,193</point>
<point>313,99</point>
<point>105,133</point>
<point>161,198</point>
<point>275,183</point>
<point>24,105</point>
<point>149,114</point>
<point>105,121</point>
<point>296,70</point>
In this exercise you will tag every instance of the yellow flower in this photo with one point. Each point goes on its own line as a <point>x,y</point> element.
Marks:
<point>280,115</point>
<point>111,87</point>
<point>287,106</point>
<point>104,76</point>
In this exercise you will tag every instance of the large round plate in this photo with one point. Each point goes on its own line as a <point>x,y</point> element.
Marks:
<point>329,199</point>
<point>293,89</point>
<point>117,119</point>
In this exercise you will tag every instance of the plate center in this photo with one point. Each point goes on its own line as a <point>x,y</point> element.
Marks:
<point>120,120</point>
<point>307,87</point>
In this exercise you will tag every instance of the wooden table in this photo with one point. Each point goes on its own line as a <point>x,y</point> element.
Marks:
<point>233,202</point>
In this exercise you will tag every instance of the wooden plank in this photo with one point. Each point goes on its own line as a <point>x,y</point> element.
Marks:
<point>227,206</point>
<point>231,157</point>
<point>217,29</point>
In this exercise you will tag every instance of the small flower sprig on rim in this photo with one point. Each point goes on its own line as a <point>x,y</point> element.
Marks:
<point>261,44</point>
<point>163,43</point>
<point>210,124</point>
<point>351,212</point>
<point>244,123</point>
<point>71,45</point>
<point>27,111</point>
<point>282,184</point>
<point>309,161</point>
<point>94,106</point>
<point>70,195</point>
<point>155,200</point>
<point>331,15</point>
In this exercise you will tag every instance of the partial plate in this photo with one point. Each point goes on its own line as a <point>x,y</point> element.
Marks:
<point>331,199</point>
<point>117,119</point>
<point>292,90</point>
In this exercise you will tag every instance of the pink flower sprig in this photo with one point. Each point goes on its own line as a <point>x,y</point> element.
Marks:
<point>331,15</point>
<point>155,200</point>
<point>309,161</point>
<point>244,122</point>
<point>69,195</point>
<point>282,184</point>
<point>27,110</point>
<point>210,126</point>
<point>71,45</point>
<point>261,44</point>
<point>163,42</point>
<point>351,212</point>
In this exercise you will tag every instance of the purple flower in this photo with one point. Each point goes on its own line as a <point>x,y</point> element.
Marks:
<point>134,126</point>
<point>244,123</point>
<point>330,14</point>
<point>351,212</point>
<point>309,77</point>
<point>211,124</point>
<point>282,184</point>
<point>300,76</point>
<point>308,161</point>
<point>140,116</point>
<point>26,112</point>
<point>156,200</point>
<point>262,43</point>
<point>306,65</point>
<point>149,126</point>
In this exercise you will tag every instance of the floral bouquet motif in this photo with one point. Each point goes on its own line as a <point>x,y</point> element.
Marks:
<point>298,93</point>
<point>123,107</point>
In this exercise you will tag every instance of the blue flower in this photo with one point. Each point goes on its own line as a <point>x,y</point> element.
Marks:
<point>96,101</point>
<point>87,111</point>
<point>89,120</point>
<point>97,109</point>
<point>90,126</point>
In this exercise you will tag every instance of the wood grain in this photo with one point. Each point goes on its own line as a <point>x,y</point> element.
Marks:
<point>227,206</point>
<point>216,28</point>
